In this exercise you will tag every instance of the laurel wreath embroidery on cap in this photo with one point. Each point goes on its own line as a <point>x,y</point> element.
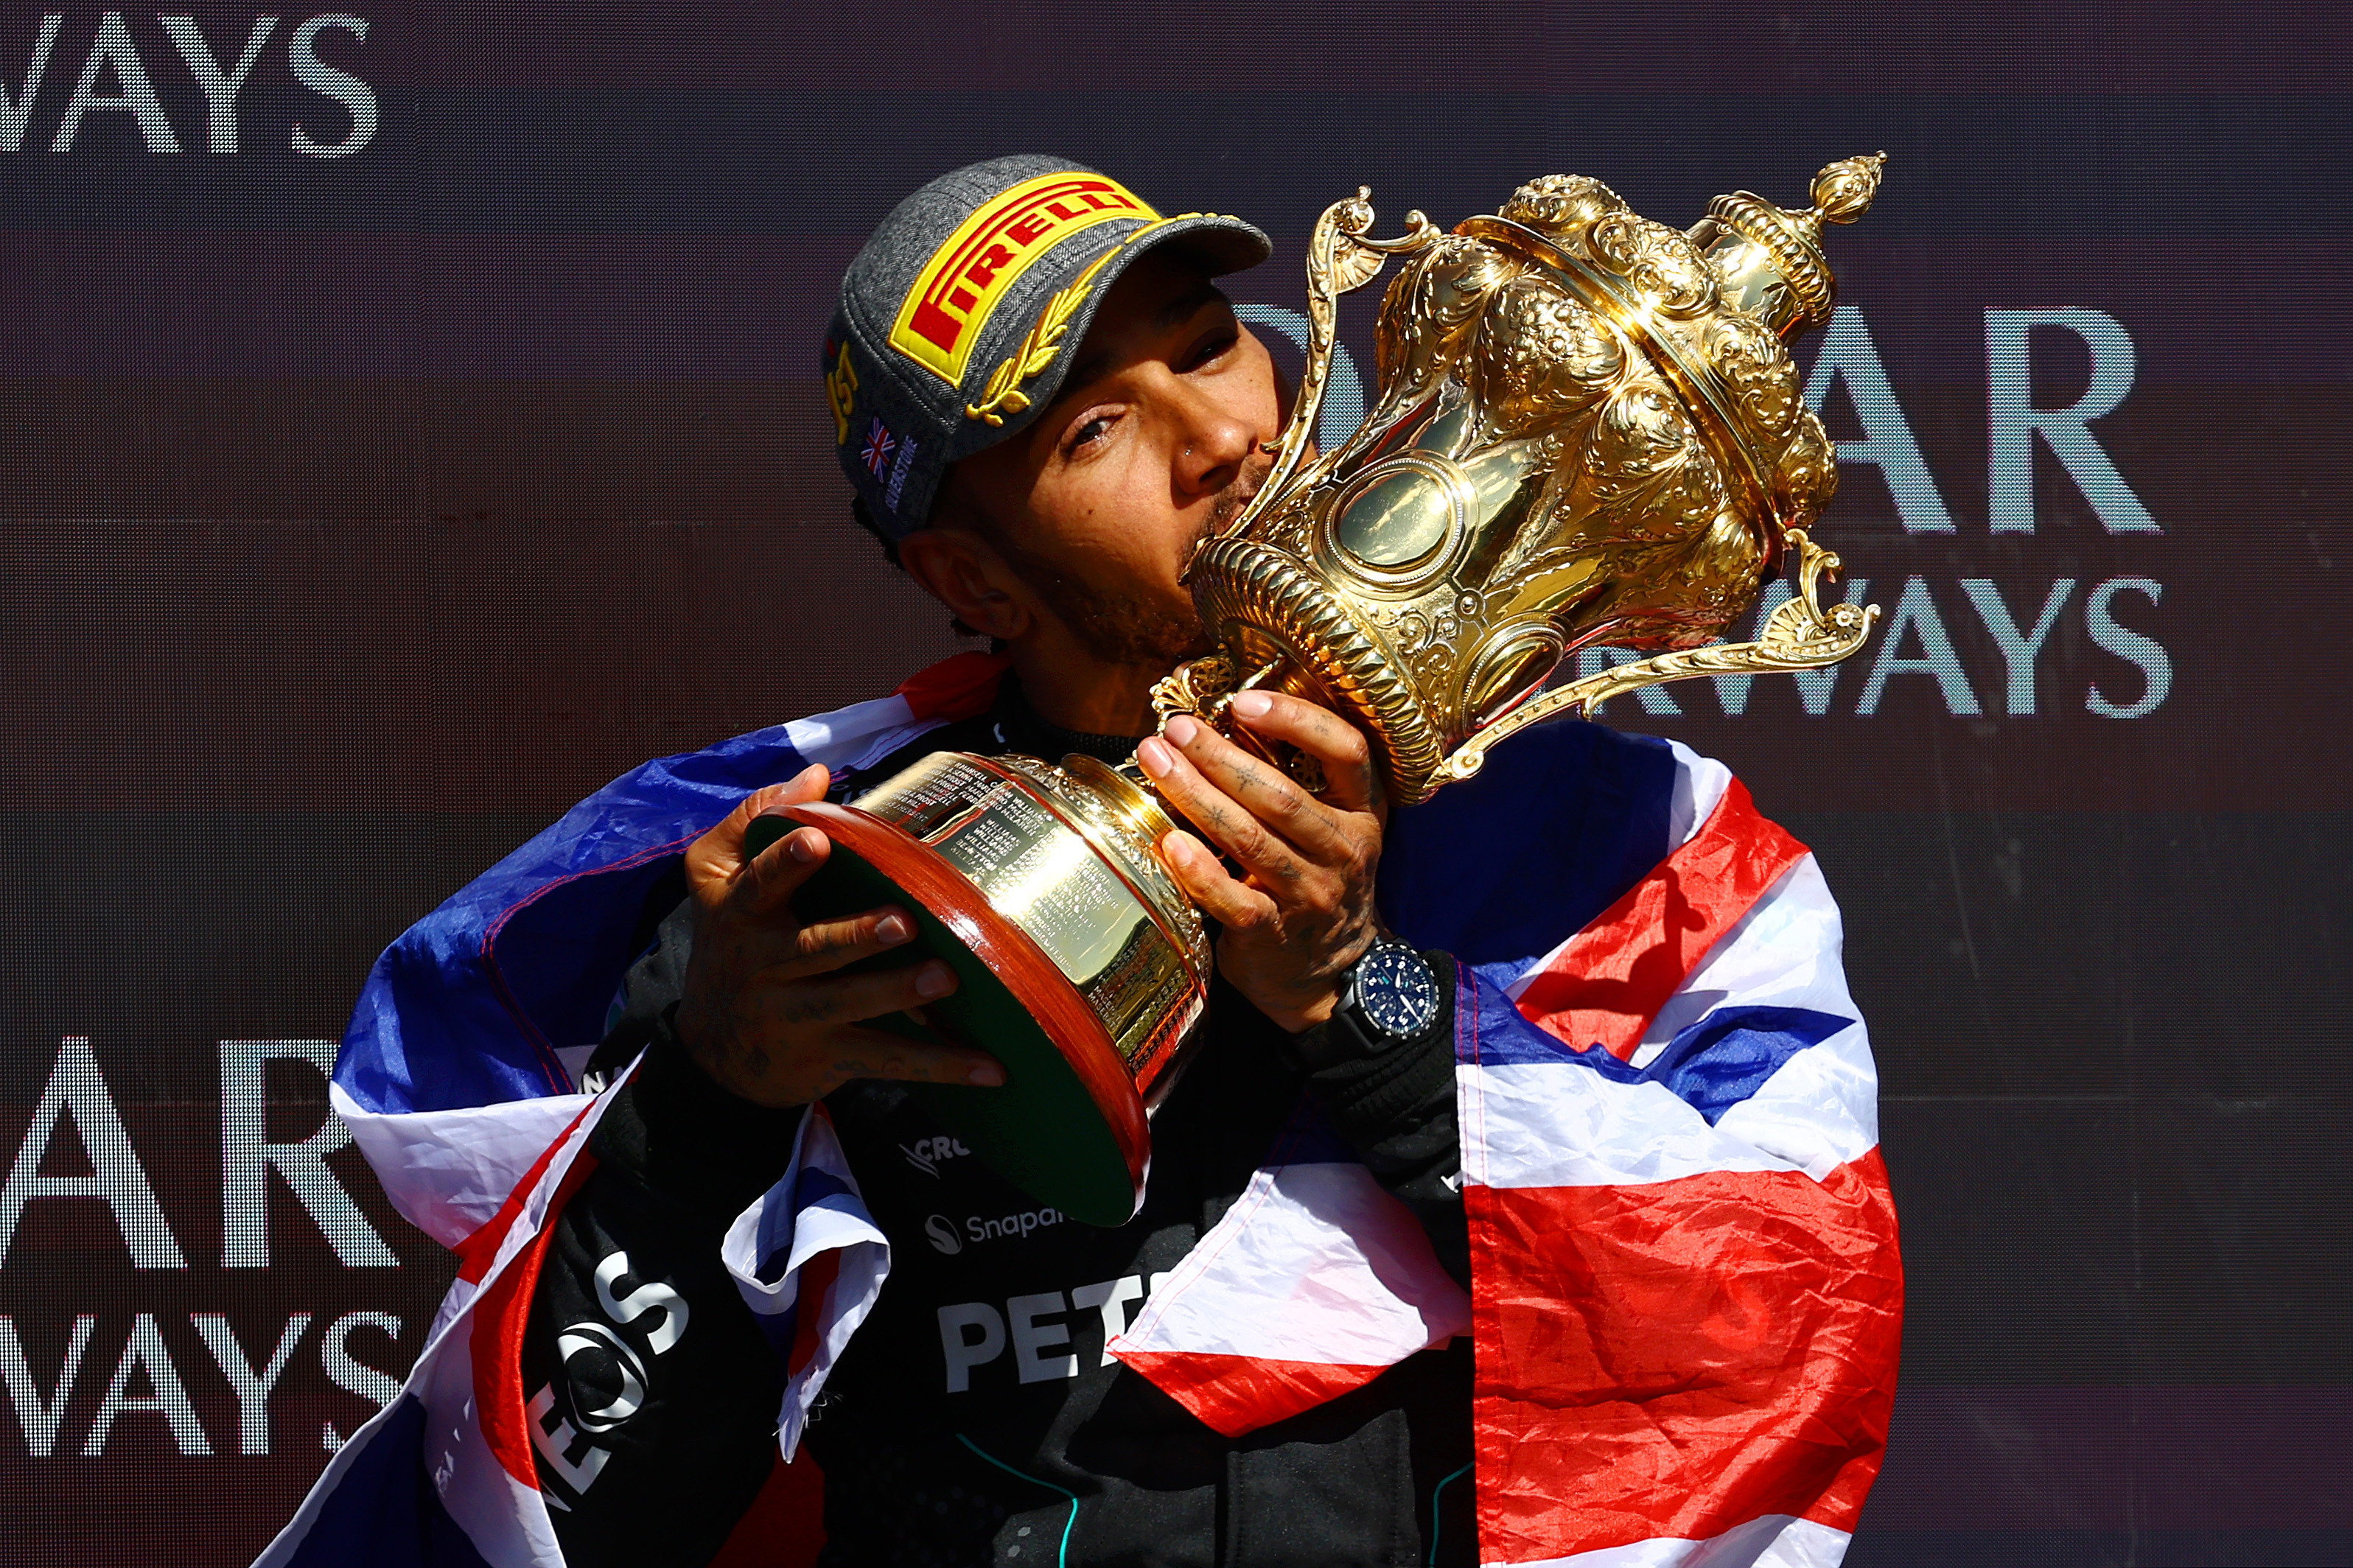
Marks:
<point>1003,395</point>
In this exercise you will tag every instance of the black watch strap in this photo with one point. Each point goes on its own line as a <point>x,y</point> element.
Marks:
<point>1340,1040</point>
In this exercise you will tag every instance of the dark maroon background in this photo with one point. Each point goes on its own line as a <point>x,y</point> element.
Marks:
<point>358,514</point>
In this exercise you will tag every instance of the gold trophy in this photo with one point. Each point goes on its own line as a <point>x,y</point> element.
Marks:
<point>1587,431</point>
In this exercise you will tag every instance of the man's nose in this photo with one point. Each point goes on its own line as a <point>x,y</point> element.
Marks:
<point>1212,443</point>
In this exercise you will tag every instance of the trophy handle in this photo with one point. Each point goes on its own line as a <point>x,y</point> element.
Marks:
<point>1340,257</point>
<point>1799,635</point>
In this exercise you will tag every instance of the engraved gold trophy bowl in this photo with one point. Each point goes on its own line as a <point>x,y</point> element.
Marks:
<point>1587,431</point>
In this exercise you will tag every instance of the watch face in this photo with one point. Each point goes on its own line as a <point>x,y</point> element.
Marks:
<point>1397,991</point>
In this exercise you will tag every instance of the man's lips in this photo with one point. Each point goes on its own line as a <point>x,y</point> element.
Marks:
<point>1236,500</point>
<point>1230,504</point>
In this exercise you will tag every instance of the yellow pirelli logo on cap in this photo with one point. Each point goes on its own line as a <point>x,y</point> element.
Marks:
<point>949,308</point>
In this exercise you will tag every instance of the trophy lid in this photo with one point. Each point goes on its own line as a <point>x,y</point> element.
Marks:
<point>1770,258</point>
<point>1589,430</point>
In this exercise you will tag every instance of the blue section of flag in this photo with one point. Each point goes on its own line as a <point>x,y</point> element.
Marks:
<point>1712,1066</point>
<point>1557,826</point>
<point>383,1511</point>
<point>1504,974</point>
<point>814,1187</point>
<point>439,1028</point>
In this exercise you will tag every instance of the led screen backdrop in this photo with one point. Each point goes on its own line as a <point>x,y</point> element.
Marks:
<point>409,420</point>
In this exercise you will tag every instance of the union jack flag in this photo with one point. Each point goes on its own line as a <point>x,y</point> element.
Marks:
<point>1685,1293</point>
<point>880,445</point>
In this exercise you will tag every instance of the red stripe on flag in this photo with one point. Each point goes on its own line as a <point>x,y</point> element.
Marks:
<point>809,1306</point>
<point>1615,975</point>
<point>1236,1394</point>
<point>501,1315</point>
<point>785,1526</point>
<point>958,687</point>
<point>480,1248</point>
<point>1678,1358</point>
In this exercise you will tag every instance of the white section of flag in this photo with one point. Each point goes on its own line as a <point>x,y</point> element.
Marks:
<point>838,1222</point>
<point>1783,953</point>
<point>851,738</point>
<point>505,1520</point>
<point>1699,786</point>
<point>1314,1263</point>
<point>447,1171</point>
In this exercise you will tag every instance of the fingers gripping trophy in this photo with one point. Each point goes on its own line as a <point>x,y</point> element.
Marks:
<point>1588,432</point>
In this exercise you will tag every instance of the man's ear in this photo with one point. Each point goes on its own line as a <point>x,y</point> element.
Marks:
<point>959,570</point>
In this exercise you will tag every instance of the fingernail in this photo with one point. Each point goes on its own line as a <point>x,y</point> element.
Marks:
<point>1152,757</point>
<point>935,979</point>
<point>890,931</point>
<point>988,1075</point>
<point>1252,704</point>
<point>802,847</point>
<point>1181,730</point>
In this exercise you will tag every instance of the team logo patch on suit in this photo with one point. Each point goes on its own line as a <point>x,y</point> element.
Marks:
<point>967,278</point>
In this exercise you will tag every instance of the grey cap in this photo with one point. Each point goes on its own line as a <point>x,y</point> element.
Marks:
<point>959,319</point>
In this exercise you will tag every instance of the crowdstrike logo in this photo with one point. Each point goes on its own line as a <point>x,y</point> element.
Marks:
<point>941,1232</point>
<point>927,1155</point>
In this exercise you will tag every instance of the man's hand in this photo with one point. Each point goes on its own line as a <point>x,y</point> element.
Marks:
<point>1303,913</point>
<point>763,1012</point>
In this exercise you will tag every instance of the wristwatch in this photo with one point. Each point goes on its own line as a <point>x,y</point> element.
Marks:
<point>1391,995</point>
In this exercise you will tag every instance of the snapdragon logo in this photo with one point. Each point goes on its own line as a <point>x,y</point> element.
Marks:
<point>978,1230</point>
<point>942,1232</point>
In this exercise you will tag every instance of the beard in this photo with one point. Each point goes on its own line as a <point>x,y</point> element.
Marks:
<point>1119,624</point>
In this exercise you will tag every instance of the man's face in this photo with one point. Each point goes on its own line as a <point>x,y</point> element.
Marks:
<point>1154,443</point>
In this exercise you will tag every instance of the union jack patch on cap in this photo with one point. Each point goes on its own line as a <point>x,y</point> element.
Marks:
<point>880,445</point>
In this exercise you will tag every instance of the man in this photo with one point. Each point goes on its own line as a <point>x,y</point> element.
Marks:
<point>1044,404</point>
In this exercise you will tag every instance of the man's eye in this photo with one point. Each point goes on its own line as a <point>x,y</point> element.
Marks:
<point>1213,348</point>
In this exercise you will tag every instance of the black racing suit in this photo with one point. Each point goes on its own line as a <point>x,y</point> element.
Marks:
<point>973,1418</point>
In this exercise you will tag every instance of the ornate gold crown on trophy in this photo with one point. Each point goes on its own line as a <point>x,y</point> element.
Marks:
<point>1588,432</point>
